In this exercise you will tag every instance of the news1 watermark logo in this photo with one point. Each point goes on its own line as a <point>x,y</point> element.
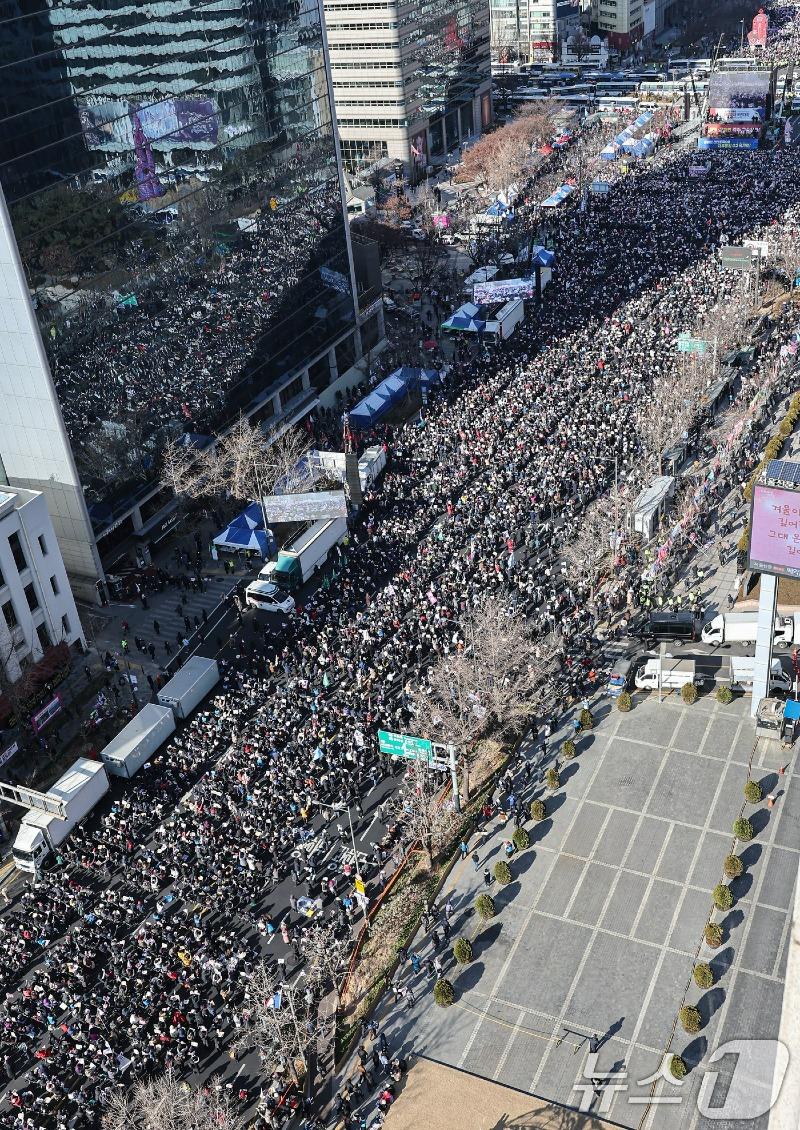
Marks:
<point>742,1088</point>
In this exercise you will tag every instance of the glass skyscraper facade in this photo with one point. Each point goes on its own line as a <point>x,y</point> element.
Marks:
<point>174,249</point>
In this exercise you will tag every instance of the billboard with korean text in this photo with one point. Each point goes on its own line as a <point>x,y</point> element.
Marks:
<point>775,531</point>
<point>738,96</point>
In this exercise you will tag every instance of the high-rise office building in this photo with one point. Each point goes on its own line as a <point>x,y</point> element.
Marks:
<point>411,78</point>
<point>621,22</point>
<point>173,247</point>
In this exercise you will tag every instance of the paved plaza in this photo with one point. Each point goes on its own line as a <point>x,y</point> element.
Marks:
<point>601,927</point>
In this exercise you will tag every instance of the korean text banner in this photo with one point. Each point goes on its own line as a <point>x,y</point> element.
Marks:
<point>775,531</point>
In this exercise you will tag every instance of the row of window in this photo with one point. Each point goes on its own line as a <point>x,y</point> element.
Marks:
<point>370,84</point>
<point>372,123</point>
<point>385,103</point>
<point>377,65</point>
<point>362,47</point>
<point>334,25</point>
<point>10,617</point>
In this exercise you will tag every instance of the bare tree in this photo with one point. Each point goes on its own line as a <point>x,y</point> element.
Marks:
<point>424,815</point>
<point>325,957</point>
<point>487,686</point>
<point>166,1103</point>
<point>592,540</point>
<point>669,409</point>
<point>280,1021</point>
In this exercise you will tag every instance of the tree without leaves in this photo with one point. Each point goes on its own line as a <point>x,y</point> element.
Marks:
<point>325,956</point>
<point>164,1103</point>
<point>489,685</point>
<point>423,815</point>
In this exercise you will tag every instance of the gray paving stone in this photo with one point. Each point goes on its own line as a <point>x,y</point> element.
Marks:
<point>561,884</point>
<point>647,844</point>
<point>659,910</point>
<point>628,775</point>
<point>730,798</point>
<point>676,862</point>
<point>659,1016</point>
<point>549,952</point>
<point>522,1058</point>
<point>625,902</point>
<point>592,894</point>
<point>778,880</point>
<point>763,940</point>
<point>585,831</point>
<point>708,869</point>
<point>685,788</point>
<point>691,732</point>
<point>692,917</point>
<point>624,968</point>
<point>616,838</point>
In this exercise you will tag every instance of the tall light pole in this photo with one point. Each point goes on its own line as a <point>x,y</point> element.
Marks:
<point>741,41</point>
<point>346,808</point>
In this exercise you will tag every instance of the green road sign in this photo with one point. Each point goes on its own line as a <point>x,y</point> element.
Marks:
<point>688,344</point>
<point>404,745</point>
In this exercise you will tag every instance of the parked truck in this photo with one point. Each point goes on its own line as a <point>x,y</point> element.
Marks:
<point>301,558</point>
<point>742,668</point>
<point>138,741</point>
<point>741,627</point>
<point>675,673</point>
<point>189,685</point>
<point>40,832</point>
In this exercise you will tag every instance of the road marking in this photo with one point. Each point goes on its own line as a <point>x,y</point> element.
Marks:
<point>369,827</point>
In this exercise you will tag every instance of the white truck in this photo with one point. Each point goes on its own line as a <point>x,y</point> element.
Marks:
<point>675,673</point>
<point>189,685</point>
<point>741,674</point>
<point>741,627</point>
<point>306,553</point>
<point>40,832</point>
<point>138,741</point>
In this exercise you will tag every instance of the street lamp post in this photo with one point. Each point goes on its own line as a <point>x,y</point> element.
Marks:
<point>741,41</point>
<point>346,808</point>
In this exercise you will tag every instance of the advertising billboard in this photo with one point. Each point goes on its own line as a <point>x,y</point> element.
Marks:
<point>733,129</point>
<point>757,37</point>
<point>727,143</point>
<point>775,531</point>
<point>738,96</point>
<point>305,507</point>
<point>503,290</point>
<point>166,125</point>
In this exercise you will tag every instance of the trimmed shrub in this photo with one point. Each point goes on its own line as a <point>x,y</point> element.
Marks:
<point>773,448</point>
<point>723,899</point>
<point>462,951</point>
<point>785,427</point>
<point>552,779</point>
<point>752,792</point>
<point>689,693</point>
<point>568,749</point>
<point>690,1018</point>
<point>733,866</point>
<point>484,905</point>
<point>624,702</point>
<point>743,829</point>
<point>724,695</point>
<point>502,873</point>
<point>677,1067</point>
<point>538,810</point>
<point>520,839</point>
<point>443,993</point>
<point>713,934</point>
<point>586,720</point>
<point>743,544</point>
<point>703,975</point>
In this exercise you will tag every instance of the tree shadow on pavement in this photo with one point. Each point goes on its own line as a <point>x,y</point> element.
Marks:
<point>711,1002</point>
<point>722,961</point>
<point>469,977</point>
<point>694,1052</point>
<point>568,771</point>
<point>751,855</point>
<point>486,938</point>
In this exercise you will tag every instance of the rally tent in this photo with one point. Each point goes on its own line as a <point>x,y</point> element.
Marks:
<point>559,196</point>
<point>390,392</point>
<point>246,531</point>
<point>465,320</point>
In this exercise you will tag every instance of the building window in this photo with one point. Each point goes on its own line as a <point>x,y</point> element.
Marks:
<point>44,636</point>
<point>31,597</point>
<point>42,545</point>
<point>356,154</point>
<point>291,391</point>
<point>54,586</point>
<point>65,628</point>
<point>10,616</point>
<point>15,546</point>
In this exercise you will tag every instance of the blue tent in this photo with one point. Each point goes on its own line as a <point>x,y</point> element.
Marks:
<point>389,392</point>
<point>465,319</point>
<point>251,518</point>
<point>559,196</point>
<point>239,537</point>
<point>500,210</point>
<point>542,257</point>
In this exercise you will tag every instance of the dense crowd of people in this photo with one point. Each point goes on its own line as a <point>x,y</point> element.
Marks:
<point>131,953</point>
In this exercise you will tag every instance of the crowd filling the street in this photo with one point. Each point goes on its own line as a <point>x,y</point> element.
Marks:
<point>133,952</point>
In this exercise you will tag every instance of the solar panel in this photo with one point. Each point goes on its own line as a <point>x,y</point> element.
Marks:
<point>782,471</point>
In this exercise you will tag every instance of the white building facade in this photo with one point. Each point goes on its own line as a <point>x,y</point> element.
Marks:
<point>411,79</point>
<point>37,608</point>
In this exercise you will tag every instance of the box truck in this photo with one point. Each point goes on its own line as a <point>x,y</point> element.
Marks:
<point>80,788</point>
<point>306,553</point>
<point>741,627</point>
<point>741,674</point>
<point>139,740</point>
<point>189,685</point>
<point>675,673</point>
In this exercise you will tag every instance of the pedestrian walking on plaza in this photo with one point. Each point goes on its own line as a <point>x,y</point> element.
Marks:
<point>462,847</point>
<point>476,860</point>
<point>157,627</point>
<point>487,877</point>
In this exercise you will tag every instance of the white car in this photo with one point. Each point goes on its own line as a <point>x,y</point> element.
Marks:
<point>269,597</point>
